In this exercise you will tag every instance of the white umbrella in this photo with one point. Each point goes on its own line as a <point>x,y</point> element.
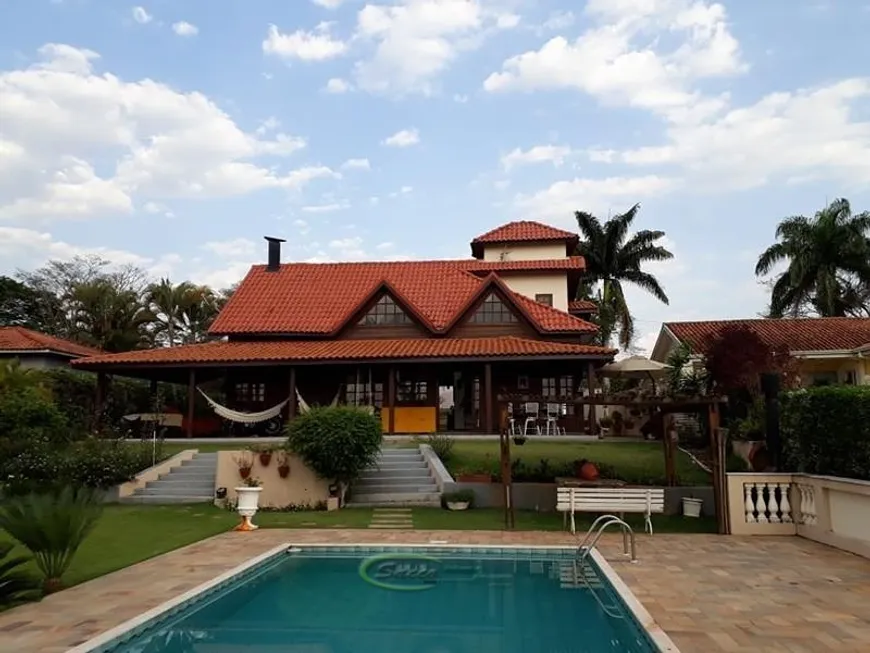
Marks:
<point>635,367</point>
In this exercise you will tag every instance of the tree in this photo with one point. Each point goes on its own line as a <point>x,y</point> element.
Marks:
<point>614,259</point>
<point>200,306</point>
<point>828,263</point>
<point>164,300</point>
<point>19,305</point>
<point>108,317</point>
<point>736,357</point>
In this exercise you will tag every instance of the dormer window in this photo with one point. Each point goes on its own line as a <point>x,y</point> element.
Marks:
<point>544,298</point>
<point>386,311</point>
<point>493,311</point>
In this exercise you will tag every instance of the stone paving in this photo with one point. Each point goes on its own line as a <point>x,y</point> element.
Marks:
<point>709,593</point>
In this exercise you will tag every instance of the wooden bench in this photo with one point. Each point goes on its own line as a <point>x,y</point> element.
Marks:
<point>610,500</point>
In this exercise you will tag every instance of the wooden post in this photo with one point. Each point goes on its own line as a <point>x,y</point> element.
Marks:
<point>191,397</point>
<point>720,486</point>
<point>391,399</point>
<point>100,401</point>
<point>669,446</point>
<point>590,382</point>
<point>487,393</point>
<point>291,399</point>
<point>506,480</point>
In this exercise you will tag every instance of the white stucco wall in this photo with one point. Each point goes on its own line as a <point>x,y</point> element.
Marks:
<point>530,285</point>
<point>522,252</point>
<point>37,361</point>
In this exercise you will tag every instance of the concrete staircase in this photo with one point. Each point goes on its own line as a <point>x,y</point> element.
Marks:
<point>191,482</point>
<point>400,477</point>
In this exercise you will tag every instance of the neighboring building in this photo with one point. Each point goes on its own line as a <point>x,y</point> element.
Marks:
<point>38,350</point>
<point>402,337</point>
<point>829,350</point>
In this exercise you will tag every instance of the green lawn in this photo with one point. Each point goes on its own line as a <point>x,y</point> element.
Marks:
<point>634,462</point>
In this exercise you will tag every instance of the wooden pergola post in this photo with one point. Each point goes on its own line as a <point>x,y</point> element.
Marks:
<point>102,390</point>
<point>505,461</point>
<point>590,382</point>
<point>391,399</point>
<point>487,394</point>
<point>291,399</point>
<point>191,397</point>
<point>720,480</point>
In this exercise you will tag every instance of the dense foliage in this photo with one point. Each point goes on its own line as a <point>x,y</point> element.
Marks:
<point>52,526</point>
<point>826,430</point>
<point>337,442</point>
<point>736,357</point>
<point>17,585</point>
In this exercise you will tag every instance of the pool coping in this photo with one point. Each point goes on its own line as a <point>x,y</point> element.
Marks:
<point>644,619</point>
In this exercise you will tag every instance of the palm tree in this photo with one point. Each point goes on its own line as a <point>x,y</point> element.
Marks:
<point>17,585</point>
<point>613,259</point>
<point>199,307</point>
<point>109,317</point>
<point>828,259</point>
<point>165,301</point>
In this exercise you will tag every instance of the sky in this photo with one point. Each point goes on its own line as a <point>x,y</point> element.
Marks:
<point>175,134</point>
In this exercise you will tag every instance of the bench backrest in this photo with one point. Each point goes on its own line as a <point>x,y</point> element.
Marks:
<point>629,499</point>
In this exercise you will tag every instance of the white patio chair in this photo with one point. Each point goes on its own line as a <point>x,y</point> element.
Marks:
<point>553,414</point>
<point>531,410</point>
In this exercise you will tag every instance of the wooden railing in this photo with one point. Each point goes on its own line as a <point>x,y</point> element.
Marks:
<point>831,510</point>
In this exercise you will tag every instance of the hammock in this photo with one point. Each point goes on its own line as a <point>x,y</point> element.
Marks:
<point>304,407</point>
<point>241,417</point>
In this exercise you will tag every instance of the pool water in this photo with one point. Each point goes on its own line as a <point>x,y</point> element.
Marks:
<point>405,601</point>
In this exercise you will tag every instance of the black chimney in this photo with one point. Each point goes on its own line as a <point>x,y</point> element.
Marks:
<point>274,253</point>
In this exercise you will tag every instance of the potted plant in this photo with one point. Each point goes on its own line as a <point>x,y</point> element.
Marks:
<point>283,464</point>
<point>245,462</point>
<point>458,500</point>
<point>247,501</point>
<point>692,506</point>
<point>520,440</point>
<point>264,452</point>
<point>586,470</point>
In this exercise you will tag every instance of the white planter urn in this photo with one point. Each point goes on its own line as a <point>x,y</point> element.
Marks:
<point>692,506</point>
<point>457,505</point>
<point>248,498</point>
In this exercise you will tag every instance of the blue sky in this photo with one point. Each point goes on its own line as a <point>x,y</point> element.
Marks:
<point>175,134</point>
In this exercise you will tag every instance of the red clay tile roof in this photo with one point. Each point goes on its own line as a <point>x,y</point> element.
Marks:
<point>582,306</point>
<point>319,298</point>
<point>525,231</point>
<point>552,319</point>
<point>19,339</point>
<point>346,350</point>
<point>805,334</point>
<point>477,266</point>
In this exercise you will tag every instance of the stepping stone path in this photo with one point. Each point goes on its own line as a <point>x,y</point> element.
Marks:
<point>387,518</point>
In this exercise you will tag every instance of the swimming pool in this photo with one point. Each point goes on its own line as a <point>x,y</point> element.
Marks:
<point>429,599</point>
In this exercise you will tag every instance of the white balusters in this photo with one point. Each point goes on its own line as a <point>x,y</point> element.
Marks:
<point>807,509</point>
<point>767,503</point>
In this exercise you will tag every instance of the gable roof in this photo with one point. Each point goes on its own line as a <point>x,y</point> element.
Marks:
<point>818,334</point>
<point>22,340</point>
<point>320,298</point>
<point>521,231</point>
<point>582,306</point>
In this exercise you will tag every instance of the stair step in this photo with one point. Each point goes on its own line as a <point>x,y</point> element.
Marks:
<point>192,472</point>
<point>162,499</point>
<point>374,488</point>
<point>396,498</point>
<point>174,479</point>
<point>175,491</point>
<point>393,465</point>
<point>395,473</point>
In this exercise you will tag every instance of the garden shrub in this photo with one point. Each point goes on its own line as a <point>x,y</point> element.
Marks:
<point>27,414</point>
<point>826,431</point>
<point>441,444</point>
<point>336,442</point>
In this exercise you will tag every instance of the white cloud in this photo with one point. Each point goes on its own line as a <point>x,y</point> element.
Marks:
<point>383,246</point>
<point>327,208</point>
<point>269,124</point>
<point>460,98</point>
<point>558,20</point>
<point>233,248</point>
<point>558,202</point>
<point>337,86</point>
<point>617,60</point>
<point>404,190</point>
<point>357,164</point>
<point>403,138</point>
<point>141,16</point>
<point>306,46</point>
<point>417,40</point>
<point>328,4</point>
<point>183,28</point>
<point>348,249</point>
<point>554,154</point>
<point>151,143</point>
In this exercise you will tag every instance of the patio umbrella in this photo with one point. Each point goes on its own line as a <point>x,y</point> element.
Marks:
<point>635,367</point>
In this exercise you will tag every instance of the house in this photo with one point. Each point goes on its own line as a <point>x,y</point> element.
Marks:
<point>38,350</point>
<point>828,350</point>
<point>398,336</point>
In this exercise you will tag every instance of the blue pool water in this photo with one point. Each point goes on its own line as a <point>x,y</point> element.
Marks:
<point>404,601</point>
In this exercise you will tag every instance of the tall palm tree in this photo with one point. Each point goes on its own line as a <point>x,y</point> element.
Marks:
<point>109,317</point>
<point>613,259</point>
<point>199,307</point>
<point>828,259</point>
<point>166,302</point>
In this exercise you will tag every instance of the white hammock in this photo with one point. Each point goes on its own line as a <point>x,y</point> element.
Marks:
<point>304,407</point>
<point>241,417</point>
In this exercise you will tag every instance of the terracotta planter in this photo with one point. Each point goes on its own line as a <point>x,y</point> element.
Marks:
<point>244,472</point>
<point>587,471</point>
<point>265,458</point>
<point>284,471</point>
<point>475,478</point>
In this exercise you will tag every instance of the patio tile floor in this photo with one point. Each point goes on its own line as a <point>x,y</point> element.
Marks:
<point>709,593</point>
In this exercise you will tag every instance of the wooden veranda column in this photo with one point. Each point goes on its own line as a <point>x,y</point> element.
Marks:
<point>590,382</point>
<point>487,394</point>
<point>720,480</point>
<point>191,397</point>
<point>100,400</point>
<point>291,400</point>
<point>391,399</point>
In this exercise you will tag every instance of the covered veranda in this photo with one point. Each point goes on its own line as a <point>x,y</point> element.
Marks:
<point>414,386</point>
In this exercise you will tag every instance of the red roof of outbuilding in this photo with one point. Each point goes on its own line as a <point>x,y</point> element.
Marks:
<point>582,306</point>
<point>21,339</point>
<point>803,334</point>
<point>346,350</point>
<point>522,231</point>
<point>320,298</point>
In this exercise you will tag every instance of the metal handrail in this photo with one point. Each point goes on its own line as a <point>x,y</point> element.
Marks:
<point>627,534</point>
<point>610,611</point>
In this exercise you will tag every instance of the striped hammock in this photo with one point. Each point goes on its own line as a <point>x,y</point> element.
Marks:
<point>241,417</point>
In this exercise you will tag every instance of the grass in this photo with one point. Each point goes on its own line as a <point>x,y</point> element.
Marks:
<point>633,462</point>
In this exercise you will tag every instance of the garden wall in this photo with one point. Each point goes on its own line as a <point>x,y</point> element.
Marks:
<point>542,496</point>
<point>302,487</point>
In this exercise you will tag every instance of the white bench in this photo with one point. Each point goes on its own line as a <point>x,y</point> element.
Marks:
<point>610,500</point>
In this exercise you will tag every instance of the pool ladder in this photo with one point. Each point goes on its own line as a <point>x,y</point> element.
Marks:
<point>595,531</point>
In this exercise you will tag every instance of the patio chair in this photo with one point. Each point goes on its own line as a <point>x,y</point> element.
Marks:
<point>531,410</point>
<point>553,414</point>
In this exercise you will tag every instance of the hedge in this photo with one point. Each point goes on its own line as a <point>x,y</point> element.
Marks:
<point>826,431</point>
